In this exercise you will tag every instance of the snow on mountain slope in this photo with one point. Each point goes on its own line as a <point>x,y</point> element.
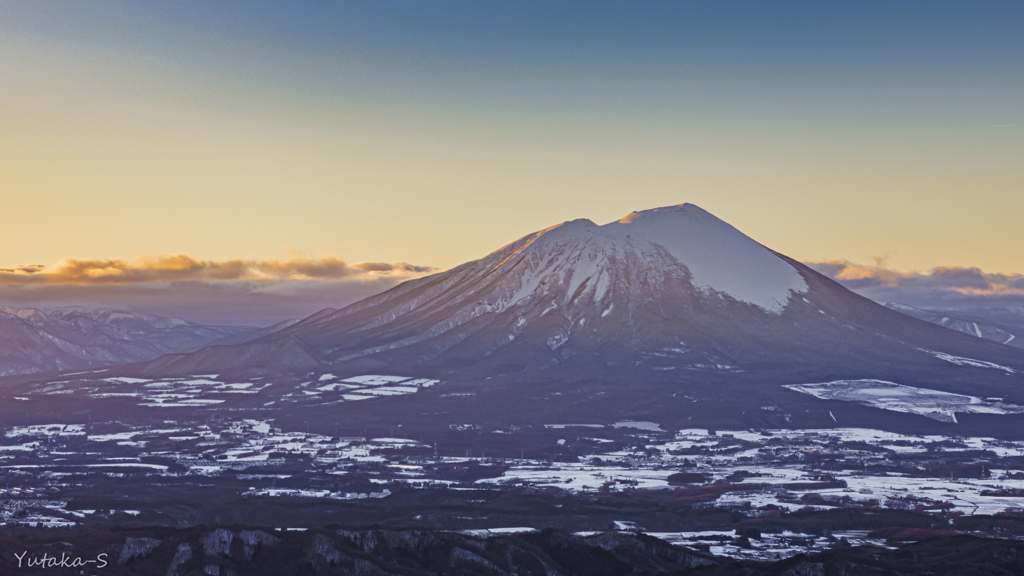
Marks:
<point>715,256</point>
<point>718,256</point>
<point>570,277</point>
<point>683,241</point>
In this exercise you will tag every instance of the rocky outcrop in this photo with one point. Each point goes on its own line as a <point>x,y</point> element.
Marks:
<point>218,542</point>
<point>182,555</point>
<point>255,540</point>
<point>136,548</point>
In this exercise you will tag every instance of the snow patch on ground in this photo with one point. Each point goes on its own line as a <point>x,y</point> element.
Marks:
<point>934,404</point>
<point>375,380</point>
<point>961,361</point>
<point>648,426</point>
<point>47,430</point>
<point>296,493</point>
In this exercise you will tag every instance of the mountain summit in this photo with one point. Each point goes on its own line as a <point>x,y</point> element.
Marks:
<point>668,289</point>
<point>718,257</point>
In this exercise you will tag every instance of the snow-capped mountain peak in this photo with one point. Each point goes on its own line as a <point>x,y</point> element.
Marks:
<point>718,256</point>
<point>683,239</point>
<point>672,289</point>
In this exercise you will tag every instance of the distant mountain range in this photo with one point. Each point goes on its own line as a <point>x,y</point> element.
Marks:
<point>71,338</point>
<point>1002,325</point>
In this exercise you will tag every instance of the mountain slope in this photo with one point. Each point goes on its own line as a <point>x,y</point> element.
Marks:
<point>1002,325</point>
<point>73,338</point>
<point>253,334</point>
<point>673,288</point>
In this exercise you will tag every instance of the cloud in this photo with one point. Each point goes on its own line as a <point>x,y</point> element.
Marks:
<point>179,267</point>
<point>941,286</point>
<point>261,292</point>
<point>251,292</point>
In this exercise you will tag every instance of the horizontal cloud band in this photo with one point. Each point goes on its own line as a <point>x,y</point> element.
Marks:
<point>261,292</point>
<point>965,281</point>
<point>248,292</point>
<point>179,267</point>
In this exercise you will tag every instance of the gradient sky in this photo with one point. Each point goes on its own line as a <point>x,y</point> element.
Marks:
<point>435,132</point>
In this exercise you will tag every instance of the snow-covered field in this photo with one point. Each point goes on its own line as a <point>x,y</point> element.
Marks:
<point>752,471</point>
<point>934,404</point>
<point>768,547</point>
<point>296,493</point>
<point>211,389</point>
<point>332,388</point>
<point>961,361</point>
<point>193,391</point>
<point>771,459</point>
<point>43,430</point>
